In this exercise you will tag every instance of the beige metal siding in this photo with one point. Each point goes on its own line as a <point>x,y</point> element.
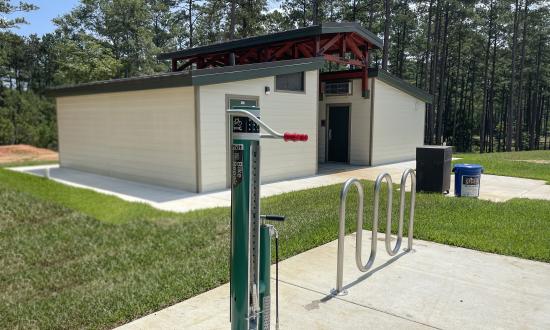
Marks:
<point>398,125</point>
<point>294,112</point>
<point>146,136</point>
<point>360,107</point>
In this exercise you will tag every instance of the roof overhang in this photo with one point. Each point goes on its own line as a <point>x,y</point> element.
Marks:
<point>382,75</point>
<point>191,78</point>
<point>306,32</point>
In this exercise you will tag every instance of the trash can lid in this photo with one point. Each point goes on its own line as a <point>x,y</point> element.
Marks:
<point>468,166</point>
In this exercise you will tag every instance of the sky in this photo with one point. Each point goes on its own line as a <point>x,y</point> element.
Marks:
<point>40,21</point>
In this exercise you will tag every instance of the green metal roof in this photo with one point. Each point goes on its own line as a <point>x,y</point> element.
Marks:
<point>172,79</point>
<point>311,31</point>
<point>192,78</point>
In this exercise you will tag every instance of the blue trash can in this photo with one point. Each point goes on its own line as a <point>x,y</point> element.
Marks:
<point>467,179</point>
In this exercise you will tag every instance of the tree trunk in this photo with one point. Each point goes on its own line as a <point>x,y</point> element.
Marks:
<point>540,117</point>
<point>534,132</point>
<point>190,13</point>
<point>504,121</point>
<point>511,102</point>
<point>519,109</point>
<point>482,125</point>
<point>433,72</point>
<point>471,105</point>
<point>315,10</point>
<point>458,79</point>
<point>371,15</point>
<point>546,122</point>
<point>385,51</point>
<point>425,84</point>
<point>402,48</point>
<point>442,81</point>
<point>492,94</point>
<point>232,19</point>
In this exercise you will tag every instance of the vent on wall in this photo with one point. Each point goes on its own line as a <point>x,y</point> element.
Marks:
<point>333,88</point>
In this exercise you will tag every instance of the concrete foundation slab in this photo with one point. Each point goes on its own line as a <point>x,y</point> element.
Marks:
<point>493,188</point>
<point>433,286</point>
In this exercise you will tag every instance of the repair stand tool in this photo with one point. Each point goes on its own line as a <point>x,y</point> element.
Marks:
<point>250,258</point>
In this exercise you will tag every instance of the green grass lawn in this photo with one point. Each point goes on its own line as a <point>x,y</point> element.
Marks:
<point>521,164</point>
<point>73,258</point>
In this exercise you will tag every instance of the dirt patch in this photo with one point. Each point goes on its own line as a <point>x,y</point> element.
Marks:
<point>535,161</point>
<point>25,153</point>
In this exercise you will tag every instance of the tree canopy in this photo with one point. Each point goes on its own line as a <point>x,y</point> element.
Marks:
<point>486,62</point>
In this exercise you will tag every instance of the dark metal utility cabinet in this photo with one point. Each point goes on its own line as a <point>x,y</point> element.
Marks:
<point>433,168</point>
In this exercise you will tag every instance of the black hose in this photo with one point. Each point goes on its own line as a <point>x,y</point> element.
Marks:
<point>277,281</point>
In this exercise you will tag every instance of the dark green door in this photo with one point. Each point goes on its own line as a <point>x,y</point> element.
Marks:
<point>338,134</point>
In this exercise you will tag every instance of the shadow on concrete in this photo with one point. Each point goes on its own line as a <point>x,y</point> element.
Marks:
<point>332,167</point>
<point>363,277</point>
<point>376,270</point>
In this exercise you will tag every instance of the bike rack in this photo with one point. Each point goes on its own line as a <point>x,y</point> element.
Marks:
<point>359,232</point>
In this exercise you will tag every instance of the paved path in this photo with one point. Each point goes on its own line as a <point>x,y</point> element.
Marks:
<point>494,188</point>
<point>434,286</point>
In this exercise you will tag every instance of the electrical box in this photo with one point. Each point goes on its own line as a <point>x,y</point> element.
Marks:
<point>433,168</point>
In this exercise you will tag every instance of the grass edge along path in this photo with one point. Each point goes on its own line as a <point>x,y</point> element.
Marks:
<point>29,163</point>
<point>521,164</point>
<point>64,268</point>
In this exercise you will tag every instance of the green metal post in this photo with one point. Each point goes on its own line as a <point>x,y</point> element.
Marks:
<point>250,242</point>
<point>245,222</point>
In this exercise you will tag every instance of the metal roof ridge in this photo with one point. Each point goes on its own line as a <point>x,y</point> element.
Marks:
<point>308,31</point>
<point>237,42</point>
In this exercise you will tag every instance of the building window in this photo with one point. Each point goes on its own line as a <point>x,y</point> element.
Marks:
<point>338,87</point>
<point>293,82</point>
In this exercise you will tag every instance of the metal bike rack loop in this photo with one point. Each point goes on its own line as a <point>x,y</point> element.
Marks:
<point>374,239</point>
<point>342,228</point>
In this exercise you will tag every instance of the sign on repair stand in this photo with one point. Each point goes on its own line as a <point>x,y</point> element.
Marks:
<point>467,179</point>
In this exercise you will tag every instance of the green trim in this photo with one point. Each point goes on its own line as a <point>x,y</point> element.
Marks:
<point>193,78</point>
<point>403,86</point>
<point>257,70</point>
<point>166,80</point>
<point>311,31</point>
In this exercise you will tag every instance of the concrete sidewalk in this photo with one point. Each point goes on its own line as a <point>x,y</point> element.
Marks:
<point>494,188</point>
<point>434,286</point>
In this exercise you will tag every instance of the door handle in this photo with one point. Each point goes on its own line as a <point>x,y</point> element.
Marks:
<point>330,134</point>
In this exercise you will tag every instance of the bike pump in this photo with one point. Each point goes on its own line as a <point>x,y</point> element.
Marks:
<point>250,259</point>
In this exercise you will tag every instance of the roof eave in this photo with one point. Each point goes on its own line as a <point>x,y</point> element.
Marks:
<point>243,43</point>
<point>256,70</point>
<point>404,86</point>
<point>193,78</point>
<point>355,28</point>
<point>325,28</point>
<point>166,80</point>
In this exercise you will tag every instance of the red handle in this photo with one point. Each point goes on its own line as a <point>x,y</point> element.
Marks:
<point>295,137</point>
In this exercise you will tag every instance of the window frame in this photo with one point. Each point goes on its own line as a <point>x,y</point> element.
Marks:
<point>350,88</point>
<point>303,73</point>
